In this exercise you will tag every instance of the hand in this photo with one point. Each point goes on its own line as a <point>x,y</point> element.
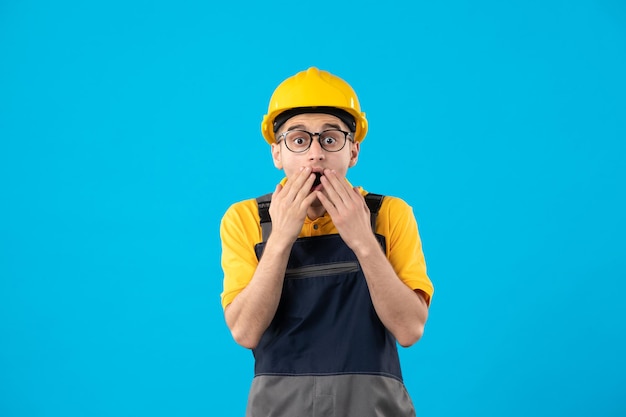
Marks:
<point>347,207</point>
<point>289,205</point>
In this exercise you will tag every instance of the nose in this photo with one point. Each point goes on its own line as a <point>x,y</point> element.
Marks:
<point>316,152</point>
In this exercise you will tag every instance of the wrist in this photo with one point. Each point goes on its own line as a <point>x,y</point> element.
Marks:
<point>367,248</point>
<point>279,243</point>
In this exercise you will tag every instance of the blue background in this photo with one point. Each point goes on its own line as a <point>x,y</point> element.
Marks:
<point>128,127</point>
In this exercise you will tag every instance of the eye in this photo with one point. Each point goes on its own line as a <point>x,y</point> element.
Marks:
<point>329,140</point>
<point>299,140</point>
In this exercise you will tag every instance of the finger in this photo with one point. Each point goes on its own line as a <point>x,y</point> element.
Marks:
<point>358,196</point>
<point>330,185</point>
<point>308,200</point>
<point>277,194</point>
<point>297,182</point>
<point>305,189</point>
<point>337,187</point>
<point>327,203</point>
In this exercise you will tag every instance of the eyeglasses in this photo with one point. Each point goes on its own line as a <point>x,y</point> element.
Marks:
<point>299,141</point>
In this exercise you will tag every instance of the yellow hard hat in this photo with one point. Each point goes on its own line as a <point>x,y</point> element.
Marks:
<point>314,91</point>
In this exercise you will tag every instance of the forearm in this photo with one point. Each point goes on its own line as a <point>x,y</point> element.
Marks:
<point>401,310</point>
<point>252,310</point>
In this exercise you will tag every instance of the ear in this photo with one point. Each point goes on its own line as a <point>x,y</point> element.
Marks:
<point>276,155</point>
<point>354,153</point>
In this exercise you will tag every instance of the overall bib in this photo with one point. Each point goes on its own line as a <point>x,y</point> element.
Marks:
<point>326,352</point>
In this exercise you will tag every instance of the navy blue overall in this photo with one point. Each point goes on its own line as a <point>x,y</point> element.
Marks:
<point>326,352</point>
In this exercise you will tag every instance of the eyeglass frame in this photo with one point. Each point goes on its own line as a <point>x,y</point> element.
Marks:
<point>347,135</point>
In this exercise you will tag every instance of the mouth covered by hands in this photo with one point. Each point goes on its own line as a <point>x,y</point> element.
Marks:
<point>346,207</point>
<point>343,203</point>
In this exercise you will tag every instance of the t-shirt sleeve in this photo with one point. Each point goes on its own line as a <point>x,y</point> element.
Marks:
<point>239,233</point>
<point>397,223</point>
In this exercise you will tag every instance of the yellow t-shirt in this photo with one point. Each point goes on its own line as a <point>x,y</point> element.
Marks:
<point>240,231</point>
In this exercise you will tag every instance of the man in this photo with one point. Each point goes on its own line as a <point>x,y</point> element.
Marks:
<point>323,283</point>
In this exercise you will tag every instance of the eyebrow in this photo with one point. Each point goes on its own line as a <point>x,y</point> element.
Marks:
<point>325,126</point>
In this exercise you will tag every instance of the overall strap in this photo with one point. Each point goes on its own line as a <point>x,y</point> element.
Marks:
<point>373,201</point>
<point>264,213</point>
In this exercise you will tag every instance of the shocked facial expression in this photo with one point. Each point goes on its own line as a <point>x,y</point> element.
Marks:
<point>315,157</point>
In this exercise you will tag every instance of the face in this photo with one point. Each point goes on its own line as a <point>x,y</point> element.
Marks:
<point>315,157</point>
